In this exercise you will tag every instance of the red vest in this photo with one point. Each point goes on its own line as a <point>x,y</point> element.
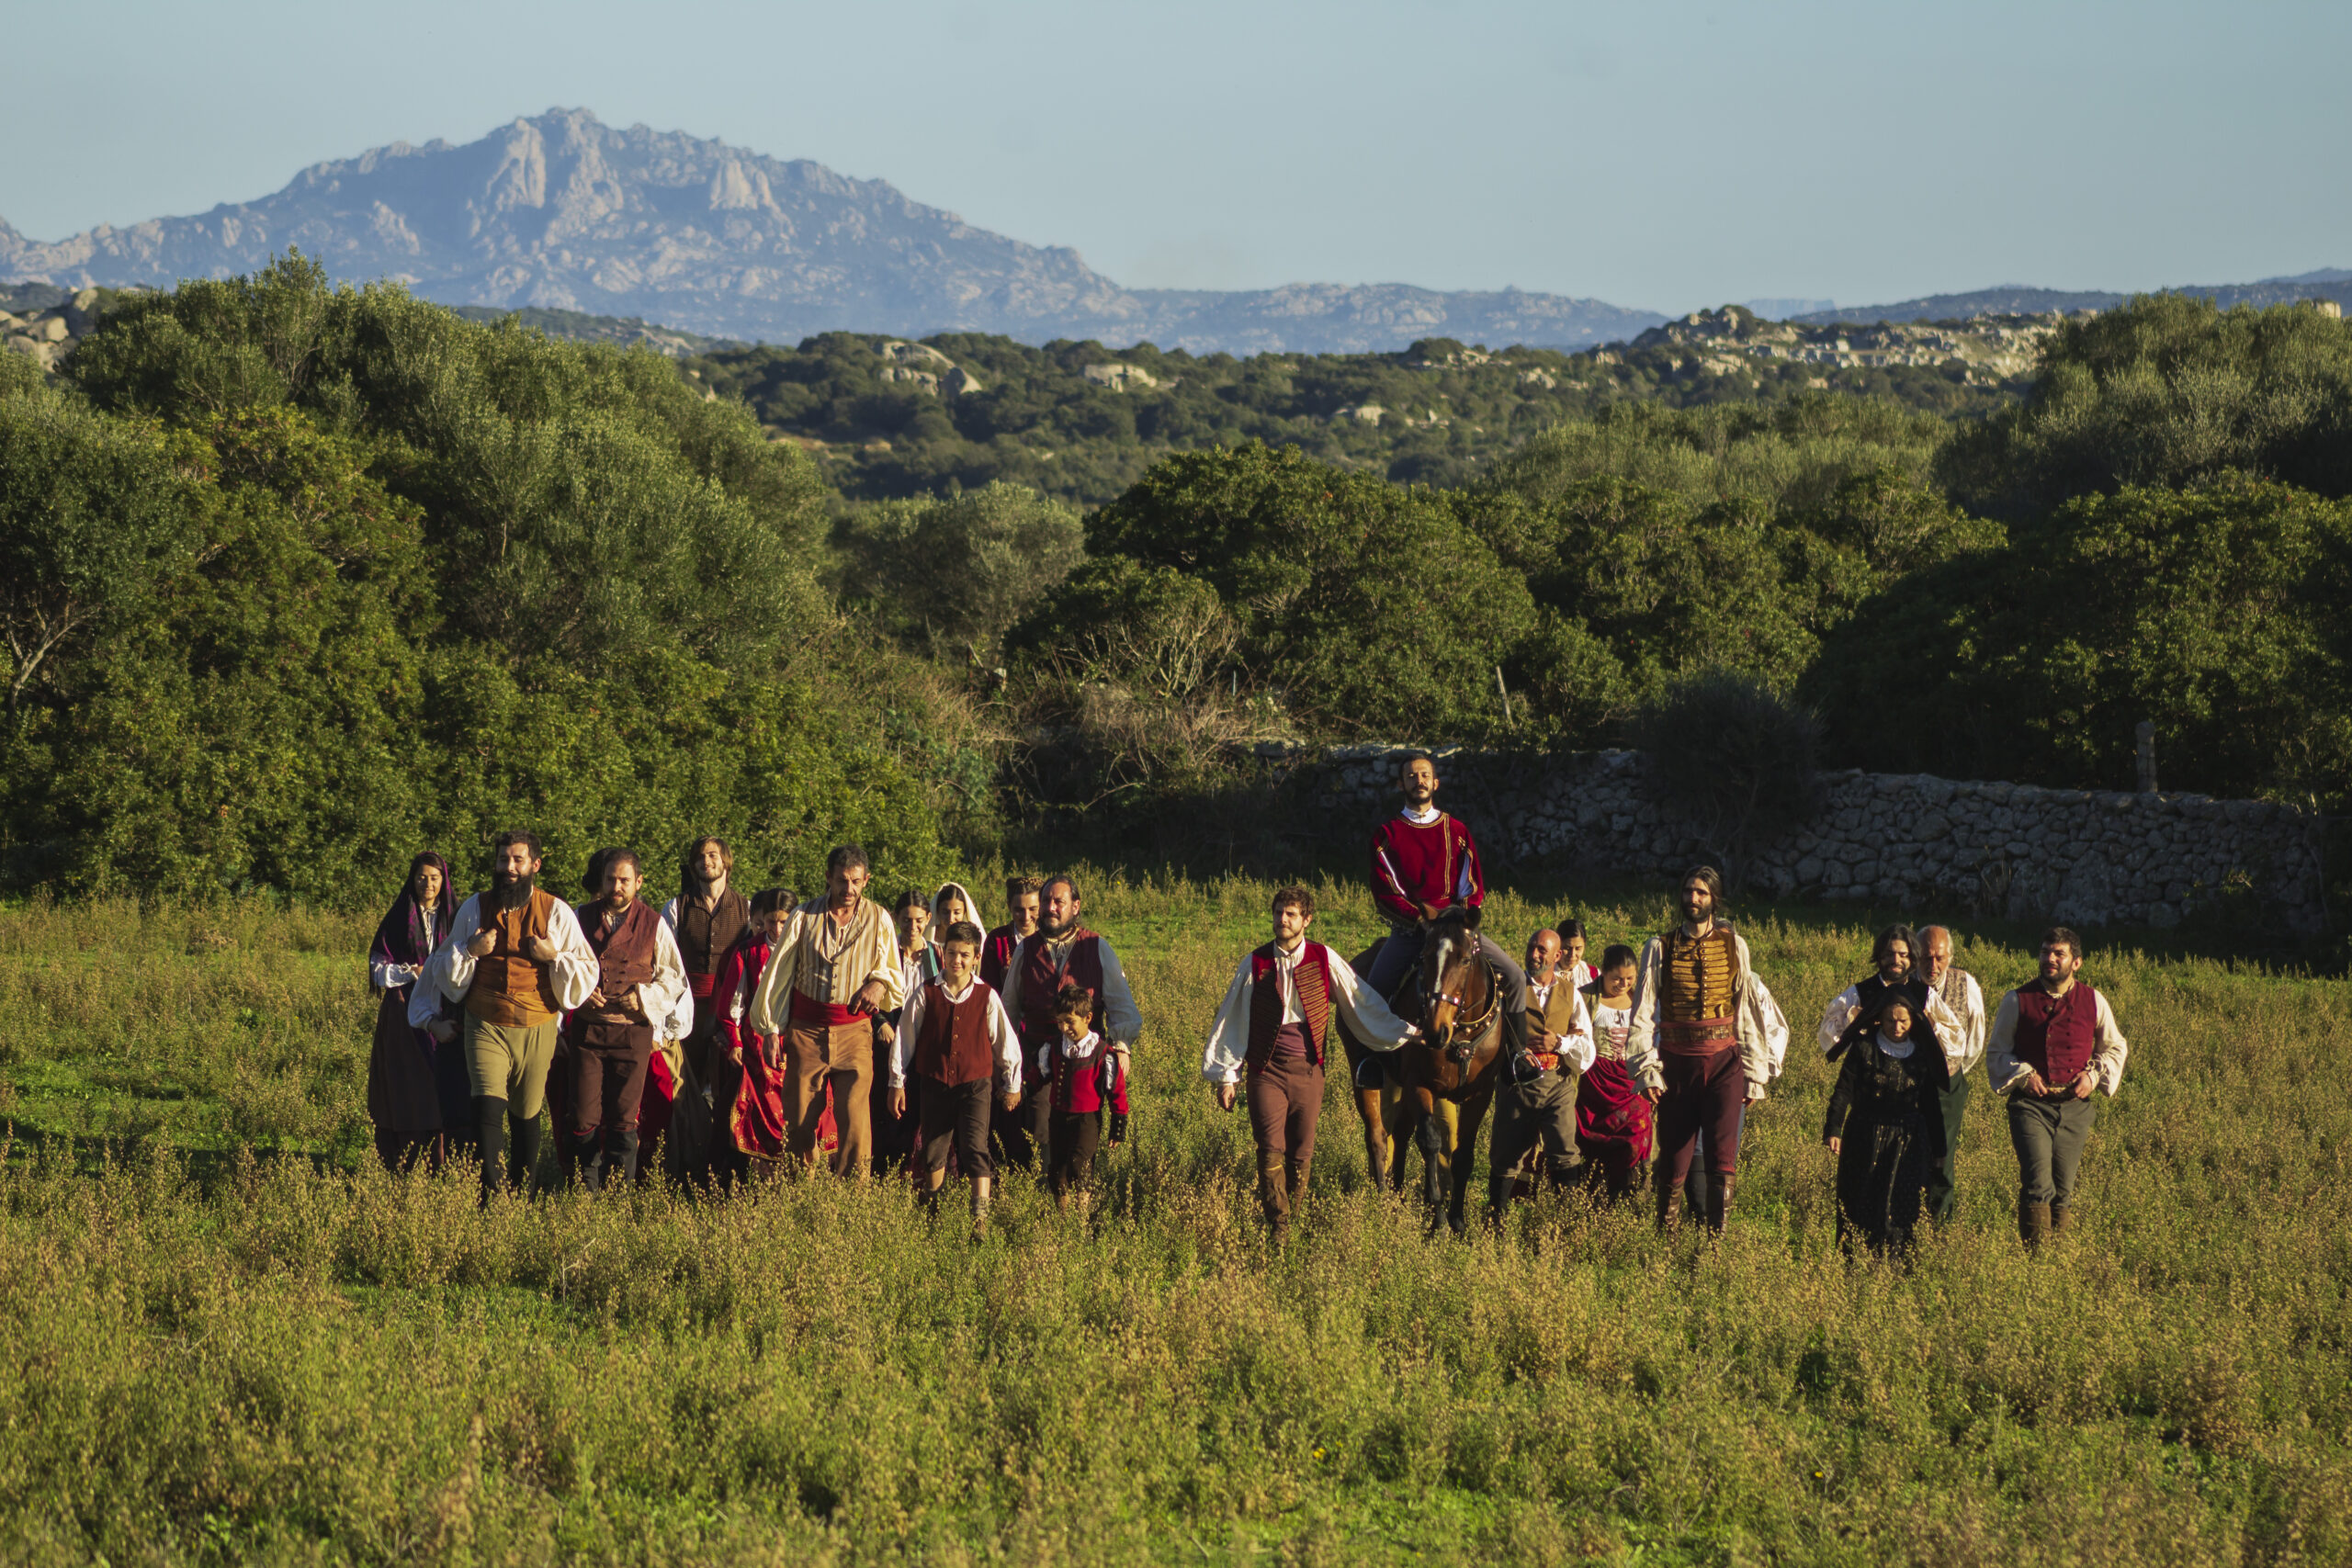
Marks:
<point>2055,1034</point>
<point>953,1045</point>
<point>1041,982</point>
<point>1312,975</point>
<point>624,958</point>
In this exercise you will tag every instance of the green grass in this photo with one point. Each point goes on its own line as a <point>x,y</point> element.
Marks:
<point>225,1336</point>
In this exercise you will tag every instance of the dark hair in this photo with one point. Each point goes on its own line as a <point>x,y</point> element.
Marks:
<point>1569,931</point>
<point>1073,1001</point>
<point>1617,955</point>
<point>1888,1003</point>
<point>690,872</point>
<point>506,840</point>
<point>1297,898</point>
<point>844,857</point>
<point>2057,935</point>
<point>1019,886</point>
<point>1705,874</point>
<point>789,896</point>
<point>601,861</point>
<point>1889,937</point>
<point>768,900</point>
<point>911,899</point>
<point>424,858</point>
<point>1409,757</point>
<point>1067,880</point>
<point>963,930</point>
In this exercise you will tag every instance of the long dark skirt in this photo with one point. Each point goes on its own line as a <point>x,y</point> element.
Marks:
<point>1882,1169</point>
<point>418,1094</point>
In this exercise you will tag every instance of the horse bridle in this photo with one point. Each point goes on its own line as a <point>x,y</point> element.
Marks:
<point>1475,1027</point>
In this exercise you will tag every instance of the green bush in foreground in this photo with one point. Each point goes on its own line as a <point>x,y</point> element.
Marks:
<point>210,1357</point>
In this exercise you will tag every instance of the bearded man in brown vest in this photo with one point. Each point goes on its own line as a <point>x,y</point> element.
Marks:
<point>609,1038</point>
<point>833,970</point>
<point>1275,1023</point>
<point>1060,951</point>
<point>706,917</point>
<point>516,960</point>
<point>2053,1041</point>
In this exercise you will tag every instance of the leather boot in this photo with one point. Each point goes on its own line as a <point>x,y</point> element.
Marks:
<point>1718,1201</point>
<point>1273,1198</point>
<point>2033,1224</point>
<point>523,1142</point>
<point>1669,1208</point>
<point>489,1123</point>
<point>981,1192</point>
<point>2061,1217</point>
<point>1297,1189</point>
<point>625,1159</point>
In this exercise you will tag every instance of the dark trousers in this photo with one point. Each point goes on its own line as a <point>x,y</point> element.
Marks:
<point>1022,1136</point>
<point>1702,1093</point>
<point>956,1116</point>
<point>602,1087</point>
<point>1943,1195</point>
<point>2049,1136</point>
<point>1694,1186</point>
<point>1074,1138</point>
<point>894,1136</point>
<point>1538,1114</point>
<point>1285,1100</point>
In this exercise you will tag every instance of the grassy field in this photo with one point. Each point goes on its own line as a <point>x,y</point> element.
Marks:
<point>225,1336</point>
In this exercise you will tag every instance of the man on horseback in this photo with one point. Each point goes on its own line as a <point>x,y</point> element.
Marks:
<point>1277,1021</point>
<point>1423,862</point>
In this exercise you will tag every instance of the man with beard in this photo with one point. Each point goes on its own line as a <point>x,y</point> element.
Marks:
<point>1059,952</point>
<point>1022,897</point>
<point>1703,1043</point>
<point>2054,1041</point>
<point>1423,862</point>
<point>640,978</point>
<point>516,960</point>
<point>1964,1045</point>
<point>834,970</point>
<point>706,917</point>
<point>1893,957</point>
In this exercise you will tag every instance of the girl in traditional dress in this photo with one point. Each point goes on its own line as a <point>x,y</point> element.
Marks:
<point>1612,1118</point>
<point>1885,1124</point>
<point>418,1095</point>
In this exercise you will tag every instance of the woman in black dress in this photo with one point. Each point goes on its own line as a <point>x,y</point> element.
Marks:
<point>418,1095</point>
<point>1885,1123</point>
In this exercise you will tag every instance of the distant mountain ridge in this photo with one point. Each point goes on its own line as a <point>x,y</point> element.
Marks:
<point>2019,299</point>
<point>563,212</point>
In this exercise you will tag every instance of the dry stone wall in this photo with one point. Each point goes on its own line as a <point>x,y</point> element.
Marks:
<point>2078,857</point>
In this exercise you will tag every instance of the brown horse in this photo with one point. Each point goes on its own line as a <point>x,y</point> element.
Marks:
<point>1438,1087</point>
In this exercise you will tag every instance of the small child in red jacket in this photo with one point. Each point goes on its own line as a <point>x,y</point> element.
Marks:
<point>1086,1076</point>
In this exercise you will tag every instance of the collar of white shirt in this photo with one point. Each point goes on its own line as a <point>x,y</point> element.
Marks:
<point>1421,818</point>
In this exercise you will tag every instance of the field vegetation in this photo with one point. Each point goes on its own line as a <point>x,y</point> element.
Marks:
<point>225,1335</point>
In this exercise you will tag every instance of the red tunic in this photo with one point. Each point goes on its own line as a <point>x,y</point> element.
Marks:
<point>996,956</point>
<point>2056,1036</point>
<point>1090,1085</point>
<point>1415,863</point>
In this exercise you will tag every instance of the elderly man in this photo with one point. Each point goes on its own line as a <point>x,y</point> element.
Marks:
<point>831,972</point>
<point>1706,1038</point>
<point>1060,951</point>
<point>1535,1105</point>
<point>516,960</point>
<point>641,981</point>
<point>2054,1044</point>
<point>1963,1043</point>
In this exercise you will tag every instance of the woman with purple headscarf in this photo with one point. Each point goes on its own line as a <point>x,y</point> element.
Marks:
<point>418,1095</point>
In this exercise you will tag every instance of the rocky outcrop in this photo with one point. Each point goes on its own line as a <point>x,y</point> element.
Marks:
<point>565,212</point>
<point>46,336</point>
<point>1898,840</point>
<point>1991,350</point>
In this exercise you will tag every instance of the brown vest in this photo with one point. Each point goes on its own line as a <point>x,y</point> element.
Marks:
<point>1041,982</point>
<point>1312,975</point>
<point>624,958</point>
<point>704,935</point>
<point>954,1046</point>
<point>508,988</point>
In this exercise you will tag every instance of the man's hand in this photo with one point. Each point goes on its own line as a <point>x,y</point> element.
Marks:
<point>633,1003</point>
<point>1009,1102</point>
<point>484,941</point>
<point>539,950</point>
<point>868,998</point>
<point>1652,1095</point>
<point>1224,1096</point>
<point>898,1103</point>
<point>443,1029</point>
<point>597,1001</point>
<point>1542,1041</point>
<point>2087,1082</point>
<point>1835,1144</point>
<point>2034,1085</point>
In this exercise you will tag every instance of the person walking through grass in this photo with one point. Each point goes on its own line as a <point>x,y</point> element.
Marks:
<point>608,1044</point>
<point>1964,1045</point>
<point>1272,1034</point>
<point>2054,1043</point>
<point>418,1096</point>
<point>1613,1117</point>
<point>919,965</point>
<point>1705,1038</point>
<point>1885,1124</point>
<point>958,1053</point>
<point>834,971</point>
<point>1023,898</point>
<point>1535,1105</point>
<point>516,960</point>
<point>1084,1076</point>
<point>1060,952</point>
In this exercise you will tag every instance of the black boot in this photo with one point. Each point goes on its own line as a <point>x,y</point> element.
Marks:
<point>623,1157</point>
<point>489,1127</point>
<point>522,1162</point>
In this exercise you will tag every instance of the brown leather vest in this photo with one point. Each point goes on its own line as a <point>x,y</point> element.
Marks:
<point>510,989</point>
<point>625,956</point>
<point>704,935</point>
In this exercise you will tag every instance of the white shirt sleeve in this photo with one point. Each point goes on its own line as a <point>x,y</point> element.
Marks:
<point>1576,1048</point>
<point>1844,1008</point>
<point>1122,1024</point>
<point>1229,1034</point>
<point>2001,1065</point>
<point>902,1049</point>
<point>1366,1014</point>
<point>661,995</point>
<point>383,974</point>
<point>771,1003</point>
<point>1972,1025</point>
<point>2109,1048</point>
<point>1641,1063</point>
<point>575,968</point>
<point>1008,1046</point>
<point>449,973</point>
<point>670,914</point>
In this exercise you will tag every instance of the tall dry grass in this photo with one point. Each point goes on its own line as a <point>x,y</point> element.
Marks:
<point>216,1357</point>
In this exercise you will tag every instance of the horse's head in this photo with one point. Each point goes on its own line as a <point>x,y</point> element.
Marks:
<point>1457,995</point>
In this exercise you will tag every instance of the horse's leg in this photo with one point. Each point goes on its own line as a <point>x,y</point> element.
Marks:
<point>1431,1132</point>
<point>1397,1122</point>
<point>1375,1137</point>
<point>1466,1148</point>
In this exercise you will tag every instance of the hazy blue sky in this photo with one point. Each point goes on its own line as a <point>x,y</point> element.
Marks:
<point>1666,155</point>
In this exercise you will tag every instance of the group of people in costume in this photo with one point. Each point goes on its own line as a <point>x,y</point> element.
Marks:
<point>741,1034</point>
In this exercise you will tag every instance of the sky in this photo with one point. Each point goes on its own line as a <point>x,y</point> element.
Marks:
<point>1665,155</point>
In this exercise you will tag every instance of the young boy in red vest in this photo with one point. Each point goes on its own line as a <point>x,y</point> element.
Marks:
<point>1085,1074</point>
<point>1275,1028</point>
<point>956,1041</point>
<point>2053,1041</point>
